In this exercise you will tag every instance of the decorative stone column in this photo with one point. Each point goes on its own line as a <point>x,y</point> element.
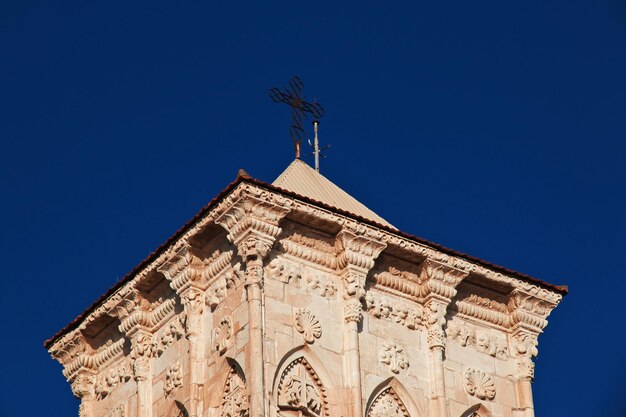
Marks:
<point>139,319</point>
<point>83,388</point>
<point>252,226</point>
<point>355,261</point>
<point>185,272</point>
<point>439,283</point>
<point>528,310</point>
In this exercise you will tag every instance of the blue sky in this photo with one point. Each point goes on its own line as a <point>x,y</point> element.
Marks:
<point>494,128</point>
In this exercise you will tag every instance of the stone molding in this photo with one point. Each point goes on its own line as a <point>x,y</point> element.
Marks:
<point>416,249</point>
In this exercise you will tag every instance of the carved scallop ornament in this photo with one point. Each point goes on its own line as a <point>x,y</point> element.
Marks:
<point>479,384</point>
<point>307,324</point>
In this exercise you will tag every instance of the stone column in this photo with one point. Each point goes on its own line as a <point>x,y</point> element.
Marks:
<point>141,351</point>
<point>439,283</point>
<point>185,271</point>
<point>83,388</point>
<point>529,309</point>
<point>356,260</point>
<point>252,226</point>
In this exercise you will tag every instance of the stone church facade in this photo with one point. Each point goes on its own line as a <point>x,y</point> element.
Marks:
<point>293,299</point>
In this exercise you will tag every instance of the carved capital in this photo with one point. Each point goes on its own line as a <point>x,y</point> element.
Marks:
<point>141,351</point>
<point>352,310</point>
<point>357,257</point>
<point>440,280</point>
<point>184,269</point>
<point>252,225</point>
<point>83,385</point>
<point>434,314</point>
<point>524,347</point>
<point>529,311</point>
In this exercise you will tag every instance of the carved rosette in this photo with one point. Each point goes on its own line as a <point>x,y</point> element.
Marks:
<point>235,397</point>
<point>223,335</point>
<point>387,404</point>
<point>173,379</point>
<point>479,384</point>
<point>307,324</point>
<point>300,388</point>
<point>393,355</point>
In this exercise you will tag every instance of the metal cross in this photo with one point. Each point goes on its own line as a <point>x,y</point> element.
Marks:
<point>299,109</point>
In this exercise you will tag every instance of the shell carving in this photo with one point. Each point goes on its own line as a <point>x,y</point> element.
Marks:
<point>480,384</point>
<point>307,324</point>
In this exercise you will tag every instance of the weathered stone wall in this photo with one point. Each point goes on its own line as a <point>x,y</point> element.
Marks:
<point>273,307</point>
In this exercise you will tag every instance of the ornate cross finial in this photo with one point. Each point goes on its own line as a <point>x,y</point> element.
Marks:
<point>299,109</point>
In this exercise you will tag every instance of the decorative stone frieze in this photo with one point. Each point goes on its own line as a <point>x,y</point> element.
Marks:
<point>111,379</point>
<point>317,251</point>
<point>307,324</point>
<point>174,330</point>
<point>223,335</point>
<point>173,379</point>
<point>119,411</point>
<point>404,283</point>
<point>479,340</point>
<point>393,355</point>
<point>392,310</point>
<point>314,281</point>
<point>479,384</point>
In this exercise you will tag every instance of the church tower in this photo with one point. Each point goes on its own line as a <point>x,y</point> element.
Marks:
<point>293,299</point>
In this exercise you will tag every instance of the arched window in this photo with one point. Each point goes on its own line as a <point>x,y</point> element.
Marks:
<point>387,404</point>
<point>235,396</point>
<point>300,391</point>
<point>477,410</point>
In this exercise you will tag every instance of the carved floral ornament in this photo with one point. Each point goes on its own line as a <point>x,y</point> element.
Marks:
<point>389,309</point>
<point>393,355</point>
<point>479,340</point>
<point>223,335</point>
<point>300,391</point>
<point>479,384</point>
<point>173,379</point>
<point>307,324</point>
<point>309,278</point>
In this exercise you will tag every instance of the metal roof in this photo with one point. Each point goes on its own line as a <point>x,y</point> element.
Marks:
<point>301,179</point>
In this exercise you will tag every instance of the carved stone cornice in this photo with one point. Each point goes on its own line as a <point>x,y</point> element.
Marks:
<point>440,280</point>
<point>529,311</point>
<point>252,225</point>
<point>184,269</point>
<point>483,309</point>
<point>135,313</point>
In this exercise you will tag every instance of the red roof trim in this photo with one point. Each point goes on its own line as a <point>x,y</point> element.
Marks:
<point>245,178</point>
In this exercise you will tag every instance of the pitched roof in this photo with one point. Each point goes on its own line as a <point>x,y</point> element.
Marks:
<point>301,179</point>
